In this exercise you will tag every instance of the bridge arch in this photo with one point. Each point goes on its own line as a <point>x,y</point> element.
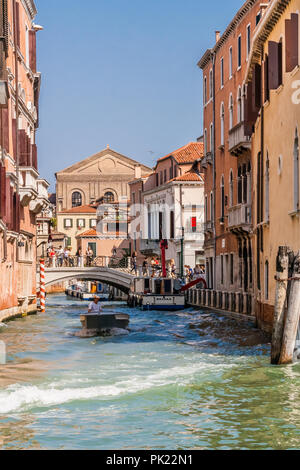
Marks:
<point>112,277</point>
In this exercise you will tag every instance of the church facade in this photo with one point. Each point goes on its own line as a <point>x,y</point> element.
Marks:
<point>103,175</point>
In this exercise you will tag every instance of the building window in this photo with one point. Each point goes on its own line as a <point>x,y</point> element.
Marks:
<point>108,197</point>
<point>222,72</point>
<point>222,116</point>
<point>230,111</point>
<point>240,185</point>
<point>266,79</point>
<point>267,280</point>
<point>76,199</point>
<point>210,84</point>
<point>165,176</point>
<point>258,17</point>
<point>205,142</point>
<point>231,188</point>
<point>93,223</point>
<point>68,223</point>
<point>172,224</point>
<point>248,33</point>
<point>230,62</point>
<point>211,138</point>
<point>267,189</point>
<point>80,223</point>
<point>231,269</point>
<point>280,64</point>
<point>239,51</point>
<point>243,103</point>
<point>206,209</point>
<point>239,106</point>
<point>211,206</point>
<point>222,199</point>
<point>296,172</point>
<point>157,179</point>
<point>205,90</point>
<point>222,269</point>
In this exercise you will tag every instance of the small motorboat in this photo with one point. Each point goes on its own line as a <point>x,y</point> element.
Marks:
<point>104,324</point>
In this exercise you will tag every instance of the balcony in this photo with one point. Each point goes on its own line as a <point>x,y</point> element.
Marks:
<point>28,185</point>
<point>208,227</point>
<point>238,141</point>
<point>240,218</point>
<point>207,160</point>
<point>149,247</point>
<point>42,201</point>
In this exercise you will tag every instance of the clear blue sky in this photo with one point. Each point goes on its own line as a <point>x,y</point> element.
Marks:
<point>123,73</point>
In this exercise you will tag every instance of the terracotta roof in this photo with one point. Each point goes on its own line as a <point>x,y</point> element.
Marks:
<point>187,154</point>
<point>89,233</point>
<point>90,209</point>
<point>190,176</point>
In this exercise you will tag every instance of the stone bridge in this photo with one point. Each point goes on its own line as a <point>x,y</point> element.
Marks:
<point>115,277</point>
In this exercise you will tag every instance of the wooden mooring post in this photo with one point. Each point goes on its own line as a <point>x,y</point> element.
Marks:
<point>292,317</point>
<point>282,274</point>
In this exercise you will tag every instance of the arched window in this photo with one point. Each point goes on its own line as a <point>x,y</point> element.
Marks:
<point>108,197</point>
<point>222,116</point>
<point>222,199</point>
<point>211,138</point>
<point>210,84</point>
<point>243,102</point>
<point>205,91</point>
<point>231,189</point>
<point>240,185</point>
<point>239,105</point>
<point>267,189</point>
<point>230,111</point>
<point>76,199</point>
<point>211,206</point>
<point>205,142</point>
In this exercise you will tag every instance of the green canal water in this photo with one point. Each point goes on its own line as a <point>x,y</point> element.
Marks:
<point>184,380</point>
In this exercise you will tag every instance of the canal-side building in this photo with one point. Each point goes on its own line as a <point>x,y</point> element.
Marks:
<point>169,204</point>
<point>23,194</point>
<point>103,175</point>
<point>274,73</point>
<point>227,162</point>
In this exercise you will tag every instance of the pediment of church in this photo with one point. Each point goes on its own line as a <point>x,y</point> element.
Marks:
<point>107,162</point>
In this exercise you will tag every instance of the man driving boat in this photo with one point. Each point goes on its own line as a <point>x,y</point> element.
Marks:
<point>95,306</point>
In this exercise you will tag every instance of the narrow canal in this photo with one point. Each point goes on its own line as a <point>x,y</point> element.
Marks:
<point>188,380</point>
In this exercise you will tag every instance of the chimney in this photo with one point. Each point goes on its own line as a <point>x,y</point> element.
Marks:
<point>138,172</point>
<point>218,35</point>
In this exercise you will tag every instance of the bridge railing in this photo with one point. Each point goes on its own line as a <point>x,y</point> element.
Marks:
<point>85,262</point>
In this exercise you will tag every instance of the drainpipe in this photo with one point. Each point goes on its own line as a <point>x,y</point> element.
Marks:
<point>214,167</point>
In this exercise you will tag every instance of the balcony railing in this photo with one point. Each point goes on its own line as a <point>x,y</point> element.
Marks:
<point>28,185</point>
<point>240,217</point>
<point>149,247</point>
<point>207,160</point>
<point>208,226</point>
<point>238,141</point>
<point>41,202</point>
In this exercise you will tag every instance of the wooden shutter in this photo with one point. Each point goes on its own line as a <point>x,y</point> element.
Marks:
<point>292,42</point>
<point>28,150</point>
<point>14,137</point>
<point>18,24</point>
<point>32,51</point>
<point>273,65</point>
<point>34,156</point>
<point>5,127</point>
<point>16,213</point>
<point>2,192</point>
<point>266,79</point>
<point>22,148</point>
<point>256,88</point>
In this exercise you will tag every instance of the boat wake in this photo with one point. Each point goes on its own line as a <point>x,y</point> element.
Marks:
<point>21,398</point>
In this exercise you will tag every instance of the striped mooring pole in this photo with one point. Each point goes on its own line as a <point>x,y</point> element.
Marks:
<point>42,286</point>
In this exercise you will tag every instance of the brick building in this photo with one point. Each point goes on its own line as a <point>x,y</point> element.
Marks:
<point>22,193</point>
<point>227,154</point>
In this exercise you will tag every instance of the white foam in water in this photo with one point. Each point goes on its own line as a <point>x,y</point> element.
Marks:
<point>18,397</point>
